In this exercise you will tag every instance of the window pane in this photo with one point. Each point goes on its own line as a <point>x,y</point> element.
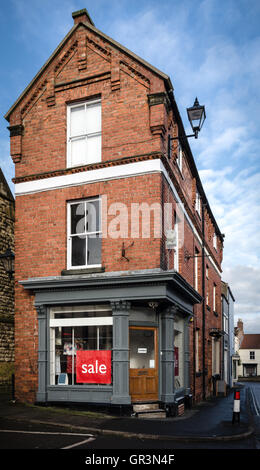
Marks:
<point>64,353</point>
<point>78,251</point>
<point>78,151</point>
<point>93,215</point>
<point>94,249</point>
<point>142,349</point>
<point>78,218</point>
<point>94,149</point>
<point>77,121</point>
<point>94,118</point>
<point>105,337</point>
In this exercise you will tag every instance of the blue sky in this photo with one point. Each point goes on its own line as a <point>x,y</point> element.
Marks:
<point>210,49</point>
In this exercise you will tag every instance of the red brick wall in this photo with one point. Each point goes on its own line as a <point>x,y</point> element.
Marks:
<point>130,127</point>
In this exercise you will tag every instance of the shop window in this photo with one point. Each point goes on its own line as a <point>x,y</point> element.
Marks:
<point>88,329</point>
<point>84,133</point>
<point>84,233</point>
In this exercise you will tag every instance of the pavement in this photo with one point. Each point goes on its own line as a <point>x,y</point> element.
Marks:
<point>208,421</point>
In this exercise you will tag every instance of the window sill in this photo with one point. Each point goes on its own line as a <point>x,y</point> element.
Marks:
<point>69,272</point>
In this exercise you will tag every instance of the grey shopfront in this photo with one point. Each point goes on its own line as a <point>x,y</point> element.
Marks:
<point>142,317</point>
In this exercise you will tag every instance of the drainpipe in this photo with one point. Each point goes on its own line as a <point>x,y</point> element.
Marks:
<point>203,304</point>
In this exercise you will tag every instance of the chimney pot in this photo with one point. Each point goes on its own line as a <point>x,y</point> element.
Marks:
<point>82,16</point>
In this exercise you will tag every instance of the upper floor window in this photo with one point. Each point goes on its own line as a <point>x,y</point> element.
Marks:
<point>179,157</point>
<point>214,297</point>
<point>198,203</point>
<point>215,241</point>
<point>252,354</point>
<point>176,250</point>
<point>84,133</point>
<point>196,270</point>
<point>84,234</point>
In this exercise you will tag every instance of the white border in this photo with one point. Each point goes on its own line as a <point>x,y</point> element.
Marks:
<point>104,174</point>
<point>86,177</point>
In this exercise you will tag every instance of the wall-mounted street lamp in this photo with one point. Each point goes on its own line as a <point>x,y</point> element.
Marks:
<point>196,116</point>
<point>7,260</point>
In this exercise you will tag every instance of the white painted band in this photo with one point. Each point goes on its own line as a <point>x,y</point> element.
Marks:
<point>236,408</point>
<point>103,174</point>
<point>86,177</point>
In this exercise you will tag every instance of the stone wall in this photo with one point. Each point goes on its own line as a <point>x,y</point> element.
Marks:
<point>6,285</point>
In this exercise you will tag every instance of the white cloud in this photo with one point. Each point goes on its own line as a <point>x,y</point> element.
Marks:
<point>244,282</point>
<point>235,201</point>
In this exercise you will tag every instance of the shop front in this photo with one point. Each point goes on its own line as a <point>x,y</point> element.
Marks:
<point>114,339</point>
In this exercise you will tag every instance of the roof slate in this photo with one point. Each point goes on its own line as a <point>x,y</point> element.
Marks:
<point>251,341</point>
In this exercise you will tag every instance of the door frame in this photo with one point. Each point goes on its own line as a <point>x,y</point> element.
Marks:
<point>156,362</point>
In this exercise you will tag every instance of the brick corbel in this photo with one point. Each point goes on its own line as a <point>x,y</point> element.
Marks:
<point>16,133</point>
<point>159,107</point>
<point>159,98</point>
<point>158,130</point>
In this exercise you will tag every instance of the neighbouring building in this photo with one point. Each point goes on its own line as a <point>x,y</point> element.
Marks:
<point>249,353</point>
<point>7,209</point>
<point>229,356</point>
<point>118,299</point>
<point>235,357</point>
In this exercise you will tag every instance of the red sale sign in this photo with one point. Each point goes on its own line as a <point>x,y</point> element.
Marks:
<point>93,367</point>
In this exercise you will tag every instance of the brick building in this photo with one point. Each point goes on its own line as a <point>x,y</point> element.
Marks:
<point>97,287</point>
<point>6,284</point>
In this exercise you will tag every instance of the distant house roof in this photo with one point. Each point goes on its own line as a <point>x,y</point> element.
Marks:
<point>250,342</point>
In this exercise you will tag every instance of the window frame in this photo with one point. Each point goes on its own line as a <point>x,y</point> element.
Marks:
<point>70,236</point>
<point>71,106</point>
<point>215,242</point>
<point>214,297</point>
<point>196,269</point>
<point>252,353</point>
<point>72,322</point>
<point>176,249</point>
<point>179,158</point>
<point>198,203</point>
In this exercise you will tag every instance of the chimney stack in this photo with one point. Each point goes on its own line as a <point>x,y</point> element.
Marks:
<point>82,16</point>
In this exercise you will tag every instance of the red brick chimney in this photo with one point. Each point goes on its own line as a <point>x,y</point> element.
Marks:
<point>240,333</point>
<point>82,16</point>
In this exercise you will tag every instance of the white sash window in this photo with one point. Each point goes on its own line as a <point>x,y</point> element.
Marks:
<point>84,133</point>
<point>84,234</point>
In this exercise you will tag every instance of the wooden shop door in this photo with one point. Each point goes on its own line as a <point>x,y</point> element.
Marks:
<point>143,363</point>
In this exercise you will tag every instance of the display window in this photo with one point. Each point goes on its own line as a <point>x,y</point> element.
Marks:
<point>72,333</point>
